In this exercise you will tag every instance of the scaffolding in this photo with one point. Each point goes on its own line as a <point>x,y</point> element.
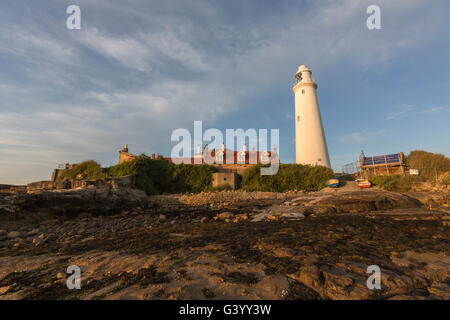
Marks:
<point>350,168</point>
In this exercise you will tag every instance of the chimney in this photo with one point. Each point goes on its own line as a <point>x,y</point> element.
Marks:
<point>223,146</point>
<point>244,148</point>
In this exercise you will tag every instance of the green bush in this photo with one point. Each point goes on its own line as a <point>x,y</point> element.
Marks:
<point>433,167</point>
<point>87,170</point>
<point>444,179</point>
<point>423,159</point>
<point>394,183</point>
<point>289,177</point>
<point>156,176</point>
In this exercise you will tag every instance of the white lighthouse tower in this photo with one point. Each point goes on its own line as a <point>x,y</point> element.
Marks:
<point>310,144</point>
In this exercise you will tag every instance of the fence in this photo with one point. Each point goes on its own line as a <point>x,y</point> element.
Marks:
<point>350,168</point>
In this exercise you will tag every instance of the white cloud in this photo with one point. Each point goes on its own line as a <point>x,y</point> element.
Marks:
<point>436,110</point>
<point>128,50</point>
<point>361,137</point>
<point>401,112</point>
<point>166,68</point>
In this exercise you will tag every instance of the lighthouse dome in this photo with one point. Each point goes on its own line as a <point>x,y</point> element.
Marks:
<point>302,68</point>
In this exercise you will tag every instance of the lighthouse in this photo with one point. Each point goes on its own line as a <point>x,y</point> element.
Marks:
<point>310,144</point>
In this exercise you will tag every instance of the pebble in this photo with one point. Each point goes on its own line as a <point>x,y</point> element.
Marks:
<point>13,234</point>
<point>33,232</point>
<point>224,215</point>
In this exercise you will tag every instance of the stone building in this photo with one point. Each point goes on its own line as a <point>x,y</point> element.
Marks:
<point>229,163</point>
<point>61,168</point>
<point>125,156</point>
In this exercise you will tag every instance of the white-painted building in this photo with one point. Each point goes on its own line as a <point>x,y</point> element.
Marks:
<point>310,143</point>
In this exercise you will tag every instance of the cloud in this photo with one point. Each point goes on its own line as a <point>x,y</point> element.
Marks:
<point>403,111</point>
<point>361,137</point>
<point>434,110</point>
<point>139,69</point>
<point>128,50</point>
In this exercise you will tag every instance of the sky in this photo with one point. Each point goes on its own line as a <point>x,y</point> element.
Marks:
<point>137,70</point>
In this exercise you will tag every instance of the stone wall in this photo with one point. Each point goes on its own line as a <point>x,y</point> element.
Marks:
<point>5,186</point>
<point>124,182</point>
<point>126,157</point>
<point>231,179</point>
<point>237,168</point>
<point>48,185</point>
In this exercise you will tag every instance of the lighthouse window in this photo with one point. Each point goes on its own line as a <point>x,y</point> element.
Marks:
<point>298,118</point>
<point>303,91</point>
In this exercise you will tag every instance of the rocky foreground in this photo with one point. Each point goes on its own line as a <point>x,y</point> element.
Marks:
<point>226,245</point>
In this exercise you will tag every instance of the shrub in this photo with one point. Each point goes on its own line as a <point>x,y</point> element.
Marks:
<point>423,159</point>
<point>193,178</point>
<point>289,177</point>
<point>395,183</point>
<point>444,179</point>
<point>156,176</point>
<point>429,164</point>
<point>87,170</point>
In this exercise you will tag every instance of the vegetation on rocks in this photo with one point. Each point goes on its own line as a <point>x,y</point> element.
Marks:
<point>433,167</point>
<point>87,170</point>
<point>157,176</point>
<point>393,183</point>
<point>429,163</point>
<point>289,177</point>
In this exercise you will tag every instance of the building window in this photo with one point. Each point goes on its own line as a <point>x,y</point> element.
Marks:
<point>303,91</point>
<point>298,118</point>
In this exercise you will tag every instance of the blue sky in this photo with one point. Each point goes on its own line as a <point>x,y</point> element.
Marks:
<point>139,69</point>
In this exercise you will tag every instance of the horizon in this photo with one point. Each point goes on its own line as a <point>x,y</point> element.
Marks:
<point>135,72</point>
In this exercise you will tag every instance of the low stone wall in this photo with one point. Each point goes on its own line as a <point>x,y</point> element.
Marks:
<point>124,182</point>
<point>5,186</point>
<point>48,185</point>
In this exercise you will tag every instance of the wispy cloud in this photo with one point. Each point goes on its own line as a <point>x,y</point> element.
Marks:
<point>139,69</point>
<point>361,137</point>
<point>434,110</point>
<point>402,111</point>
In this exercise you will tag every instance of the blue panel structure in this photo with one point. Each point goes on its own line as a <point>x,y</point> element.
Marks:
<point>379,160</point>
